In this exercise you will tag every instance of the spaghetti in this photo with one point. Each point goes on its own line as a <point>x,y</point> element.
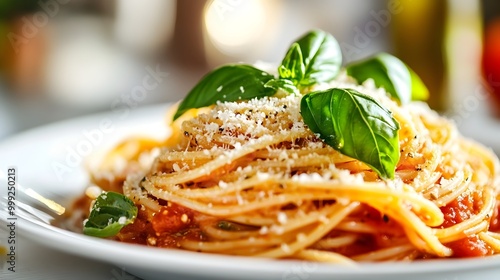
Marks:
<point>249,178</point>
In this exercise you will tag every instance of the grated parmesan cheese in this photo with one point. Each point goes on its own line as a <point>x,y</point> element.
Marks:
<point>176,167</point>
<point>255,118</point>
<point>282,218</point>
<point>305,178</point>
<point>264,230</point>
<point>184,218</point>
<point>323,219</point>
<point>301,237</point>
<point>93,191</point>
<point>285,248</point>
<point>239,199</point>
<point>263,176</point>
<point>222,184</point>
<point>122,220</point>
<point>152,241</point>
<point>277,229</point>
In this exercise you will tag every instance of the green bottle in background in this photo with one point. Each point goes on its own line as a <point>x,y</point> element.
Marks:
<point>441,40</point>
<point>418,33</point>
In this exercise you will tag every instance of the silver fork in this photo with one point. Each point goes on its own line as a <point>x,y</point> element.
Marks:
<point>26,211</point>
<point>51,209</point>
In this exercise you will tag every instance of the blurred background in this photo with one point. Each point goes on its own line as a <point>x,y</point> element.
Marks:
<point>61,59</point>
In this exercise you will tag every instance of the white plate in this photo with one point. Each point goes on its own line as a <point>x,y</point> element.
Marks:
<point>35,154</point>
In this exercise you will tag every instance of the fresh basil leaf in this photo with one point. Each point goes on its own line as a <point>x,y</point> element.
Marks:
<point>418,89</point>
<point>389,72</point>
<point>321,55</point>
<point>228,83</point>
<point>285,85</point>
<point>356,125</point>
<point>109,214</point>
<point>292,67</point>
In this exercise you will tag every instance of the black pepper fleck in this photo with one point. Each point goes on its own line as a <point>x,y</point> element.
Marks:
<point>385,218</point>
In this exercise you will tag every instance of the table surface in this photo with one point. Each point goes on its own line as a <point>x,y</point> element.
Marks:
<point>35,261</point>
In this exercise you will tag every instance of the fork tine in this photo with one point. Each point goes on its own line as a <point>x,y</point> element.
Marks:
<point>24,210</point>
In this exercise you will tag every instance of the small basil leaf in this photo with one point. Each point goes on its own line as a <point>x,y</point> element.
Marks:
<point>228,83</point>
<point>109,214</point>
<point>418,89</point>
<point>285,85</point>
<point>389,72</point>
<point>356,125</point>
<point>321,56</point>
<point>292,67</point>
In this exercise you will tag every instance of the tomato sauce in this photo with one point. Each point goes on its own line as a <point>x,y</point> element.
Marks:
<point>138,231</point>
<point>457,211</point>
<point>495,219</point>
<point>172,218</point>
<point>168,227</point>
<point>366,243</point>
